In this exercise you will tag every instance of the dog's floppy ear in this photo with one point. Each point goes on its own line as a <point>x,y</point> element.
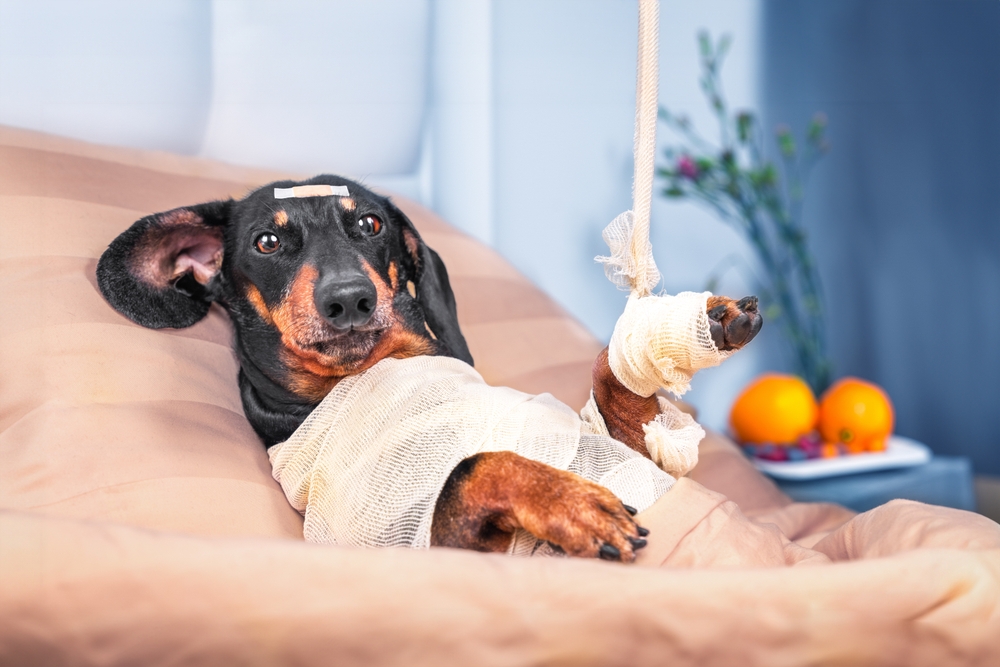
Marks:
<point>434,291</point>
<point>163,270</point>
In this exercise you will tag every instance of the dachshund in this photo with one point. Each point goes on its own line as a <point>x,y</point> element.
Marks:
<point>326,281</point>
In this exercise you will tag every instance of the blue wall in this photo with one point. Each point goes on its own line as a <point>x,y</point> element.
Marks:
<point>905,210</point>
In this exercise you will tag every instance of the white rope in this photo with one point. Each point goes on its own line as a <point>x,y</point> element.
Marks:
<point>630,265</point>
<point>646,105</point>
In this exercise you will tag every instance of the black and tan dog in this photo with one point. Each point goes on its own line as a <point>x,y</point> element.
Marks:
<point>322,287</point>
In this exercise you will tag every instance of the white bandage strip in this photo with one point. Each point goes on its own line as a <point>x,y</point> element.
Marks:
<point>312,191</point>
<point>672,439</point>
<point>661,341</point>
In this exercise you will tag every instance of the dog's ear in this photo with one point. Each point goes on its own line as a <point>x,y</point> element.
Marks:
<point>438,301</point>
<point>163,270</point>
<point>434,291</point>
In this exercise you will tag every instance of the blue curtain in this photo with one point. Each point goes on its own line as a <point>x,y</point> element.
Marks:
<point>904,212</point>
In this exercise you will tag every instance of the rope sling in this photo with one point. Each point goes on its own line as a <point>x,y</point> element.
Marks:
<point>659,341</point>
<point>367,465</point>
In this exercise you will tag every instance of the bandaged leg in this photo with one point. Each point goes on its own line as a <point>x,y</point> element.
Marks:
<point>661,341</point>
<point>671,438</point>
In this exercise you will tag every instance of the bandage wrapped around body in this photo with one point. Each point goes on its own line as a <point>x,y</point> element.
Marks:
<point>367,466</point>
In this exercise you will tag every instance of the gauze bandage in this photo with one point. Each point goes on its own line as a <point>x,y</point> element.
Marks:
<point>661,342</point>
<point>367,466</point>
<point>672,438</point>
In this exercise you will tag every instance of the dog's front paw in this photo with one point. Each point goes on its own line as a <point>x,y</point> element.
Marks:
<point>582,519</point>
<point>733,323</point>
<point>491,494</point>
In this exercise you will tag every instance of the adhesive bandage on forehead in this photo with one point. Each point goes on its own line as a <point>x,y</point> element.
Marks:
<point>312,191</point>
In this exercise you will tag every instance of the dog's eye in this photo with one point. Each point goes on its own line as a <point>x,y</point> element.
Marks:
<point>370,225</point>
<point>267,243</point>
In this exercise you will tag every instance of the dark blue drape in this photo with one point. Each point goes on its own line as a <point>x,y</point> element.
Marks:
<point>904,213</point>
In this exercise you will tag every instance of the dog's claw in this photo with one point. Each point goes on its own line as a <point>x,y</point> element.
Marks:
<point>718,336</point>
<point>609,552</point>
<point>556,548</point>
<point>637,543</point>
<point>718,312</point>
<point>631,510</point>
<point>747,304</point>
<point>643,532</point>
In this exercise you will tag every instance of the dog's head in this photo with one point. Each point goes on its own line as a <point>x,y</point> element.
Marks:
<point>319,286</point>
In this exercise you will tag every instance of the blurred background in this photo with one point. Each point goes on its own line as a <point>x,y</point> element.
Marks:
<point>513,119</point>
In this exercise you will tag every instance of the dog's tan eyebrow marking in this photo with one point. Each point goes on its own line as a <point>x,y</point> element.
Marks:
<point>280,218</point>
<point>347,203</point>
<point>256,300</point>
<point>380,286</point>
<point>393,276</point>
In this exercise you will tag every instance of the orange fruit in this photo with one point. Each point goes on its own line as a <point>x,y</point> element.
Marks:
<point>774,408</point>
<point>856,413</point>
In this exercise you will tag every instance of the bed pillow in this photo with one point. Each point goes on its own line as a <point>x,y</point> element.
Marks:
<point>103,419</point>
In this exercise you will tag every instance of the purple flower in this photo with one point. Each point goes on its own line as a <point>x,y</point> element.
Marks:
<point>687,168</point>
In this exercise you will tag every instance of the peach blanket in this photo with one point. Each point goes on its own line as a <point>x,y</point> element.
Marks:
<point>905,584</point>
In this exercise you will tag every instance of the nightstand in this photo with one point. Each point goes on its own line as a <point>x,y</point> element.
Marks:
<point>944,480</point>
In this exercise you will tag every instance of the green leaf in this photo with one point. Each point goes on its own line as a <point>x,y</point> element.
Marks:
<point>723,46</point>
<point>766,176</point>
<point>817,126</point>
<point>727,158</point>
<point>786,143</point>
<point>704,45</point>
<point>744,123</point>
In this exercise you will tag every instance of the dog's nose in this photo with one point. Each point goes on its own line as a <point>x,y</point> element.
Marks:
<point>346,302</point>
